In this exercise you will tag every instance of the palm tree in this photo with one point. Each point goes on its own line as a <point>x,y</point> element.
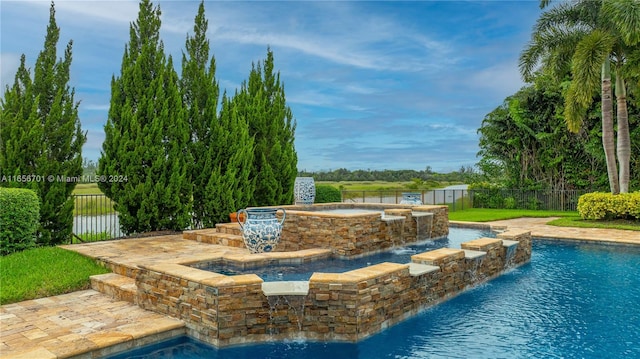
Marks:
<point>587,38</point>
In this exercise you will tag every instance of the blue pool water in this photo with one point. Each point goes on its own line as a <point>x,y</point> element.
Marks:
<point>573,300</point>
<point>336,265</point>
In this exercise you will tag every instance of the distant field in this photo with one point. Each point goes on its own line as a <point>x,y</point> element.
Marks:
<point>383,185</point>
<point>87,188</point>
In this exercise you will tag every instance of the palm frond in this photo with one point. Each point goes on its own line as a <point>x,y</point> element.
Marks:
<point>624,17</point>
<point>553,48</point>
<point>587,61</point>
<point>575,109</point>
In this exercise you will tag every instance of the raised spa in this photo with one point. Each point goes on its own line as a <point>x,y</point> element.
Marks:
<point>348,306</point>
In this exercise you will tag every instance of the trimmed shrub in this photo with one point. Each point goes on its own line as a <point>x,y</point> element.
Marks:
<point>600,205</point>
<point>327,194</point>
<point>19,216</point>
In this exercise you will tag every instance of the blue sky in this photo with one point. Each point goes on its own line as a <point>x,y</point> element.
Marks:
<point>372,84</point>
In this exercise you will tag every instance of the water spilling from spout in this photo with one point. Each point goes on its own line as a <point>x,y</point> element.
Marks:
<point>511,247</point>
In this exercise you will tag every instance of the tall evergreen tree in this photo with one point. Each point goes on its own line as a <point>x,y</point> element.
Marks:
<point>272,126</point>
<point>147,135</point>
<point>229,187</point>
<point>41,135</point>
<point>220,147</point>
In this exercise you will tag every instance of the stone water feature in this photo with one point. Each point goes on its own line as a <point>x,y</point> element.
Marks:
<point>229,310</point>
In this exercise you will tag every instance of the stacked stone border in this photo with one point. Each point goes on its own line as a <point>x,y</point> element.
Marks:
<point>231,310</point>
<point>345,234</point>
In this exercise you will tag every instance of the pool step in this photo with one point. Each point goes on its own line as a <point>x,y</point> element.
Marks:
<point>226,234</point>
<point>229,228</point>
<point>116,286</point>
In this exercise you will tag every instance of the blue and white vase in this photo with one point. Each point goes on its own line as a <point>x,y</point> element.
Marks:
<point>261,229</point>
<point>411,198</point>
<point>304,190</point>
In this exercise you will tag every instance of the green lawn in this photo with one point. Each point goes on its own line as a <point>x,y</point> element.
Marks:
<point>43,272</point>
<point>87,188</point>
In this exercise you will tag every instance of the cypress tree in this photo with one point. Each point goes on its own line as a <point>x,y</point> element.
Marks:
<point>272,125</point>
<point>41,135</point>
<point>145,149</point>
<point>229,187</point>
<point>200,93</point>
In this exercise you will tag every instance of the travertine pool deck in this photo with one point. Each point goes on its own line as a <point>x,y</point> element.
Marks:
<point>87,324</point>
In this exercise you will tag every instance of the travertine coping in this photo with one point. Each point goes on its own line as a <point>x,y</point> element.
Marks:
<point>398,211</point>
<point>283,257</point>
<point>422,214</point>
<point>482,244</point>
<point>293,287</point>
<point>364,213</point>
<point>509,243</point>
<point>204,277</point>
<point>513,233</point>
<point>425,208</point>
<point>360,274</point>
<point>438,256</point>
<point>471,254</point>
<point>241,259</point>
<point>417,269</point>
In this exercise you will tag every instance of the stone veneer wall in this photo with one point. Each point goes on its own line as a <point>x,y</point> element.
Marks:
<point>228,310</point>
<point>356,234</point>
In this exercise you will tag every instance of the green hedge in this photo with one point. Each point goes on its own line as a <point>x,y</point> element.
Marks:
<point>600,205</point>
<point>327,194</point>
<point>19,219</point>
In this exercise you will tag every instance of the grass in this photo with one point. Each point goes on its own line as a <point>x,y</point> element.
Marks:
<point>93,237</point>
<point>89,201</point>
<point>43,272</point>
<point>88,205</point>
<point>583,223</point>
<point>87,188</point>
<point>567,219</point>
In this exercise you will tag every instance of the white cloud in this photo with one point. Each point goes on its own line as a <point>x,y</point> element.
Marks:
<point>9,64</point>
<point>121,11</point>
<point>503,79</point>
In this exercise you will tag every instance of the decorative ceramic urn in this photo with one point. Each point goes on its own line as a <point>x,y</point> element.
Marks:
<point>411,198</point>
<point>261,229</point>
<point>304,190</point>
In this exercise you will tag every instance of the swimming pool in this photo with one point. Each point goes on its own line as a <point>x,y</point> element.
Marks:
<point>573,300</point>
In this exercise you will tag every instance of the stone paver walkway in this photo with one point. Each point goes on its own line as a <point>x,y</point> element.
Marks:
<point>90,324</point>
<point>78,323</point>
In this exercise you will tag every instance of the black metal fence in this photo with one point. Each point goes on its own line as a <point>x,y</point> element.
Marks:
<point>95,219</point>
<point>459,199</point>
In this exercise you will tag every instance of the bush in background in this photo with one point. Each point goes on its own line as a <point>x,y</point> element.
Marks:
<point>327,194</point>
<point>599,205</point>
<point>19,216</point>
